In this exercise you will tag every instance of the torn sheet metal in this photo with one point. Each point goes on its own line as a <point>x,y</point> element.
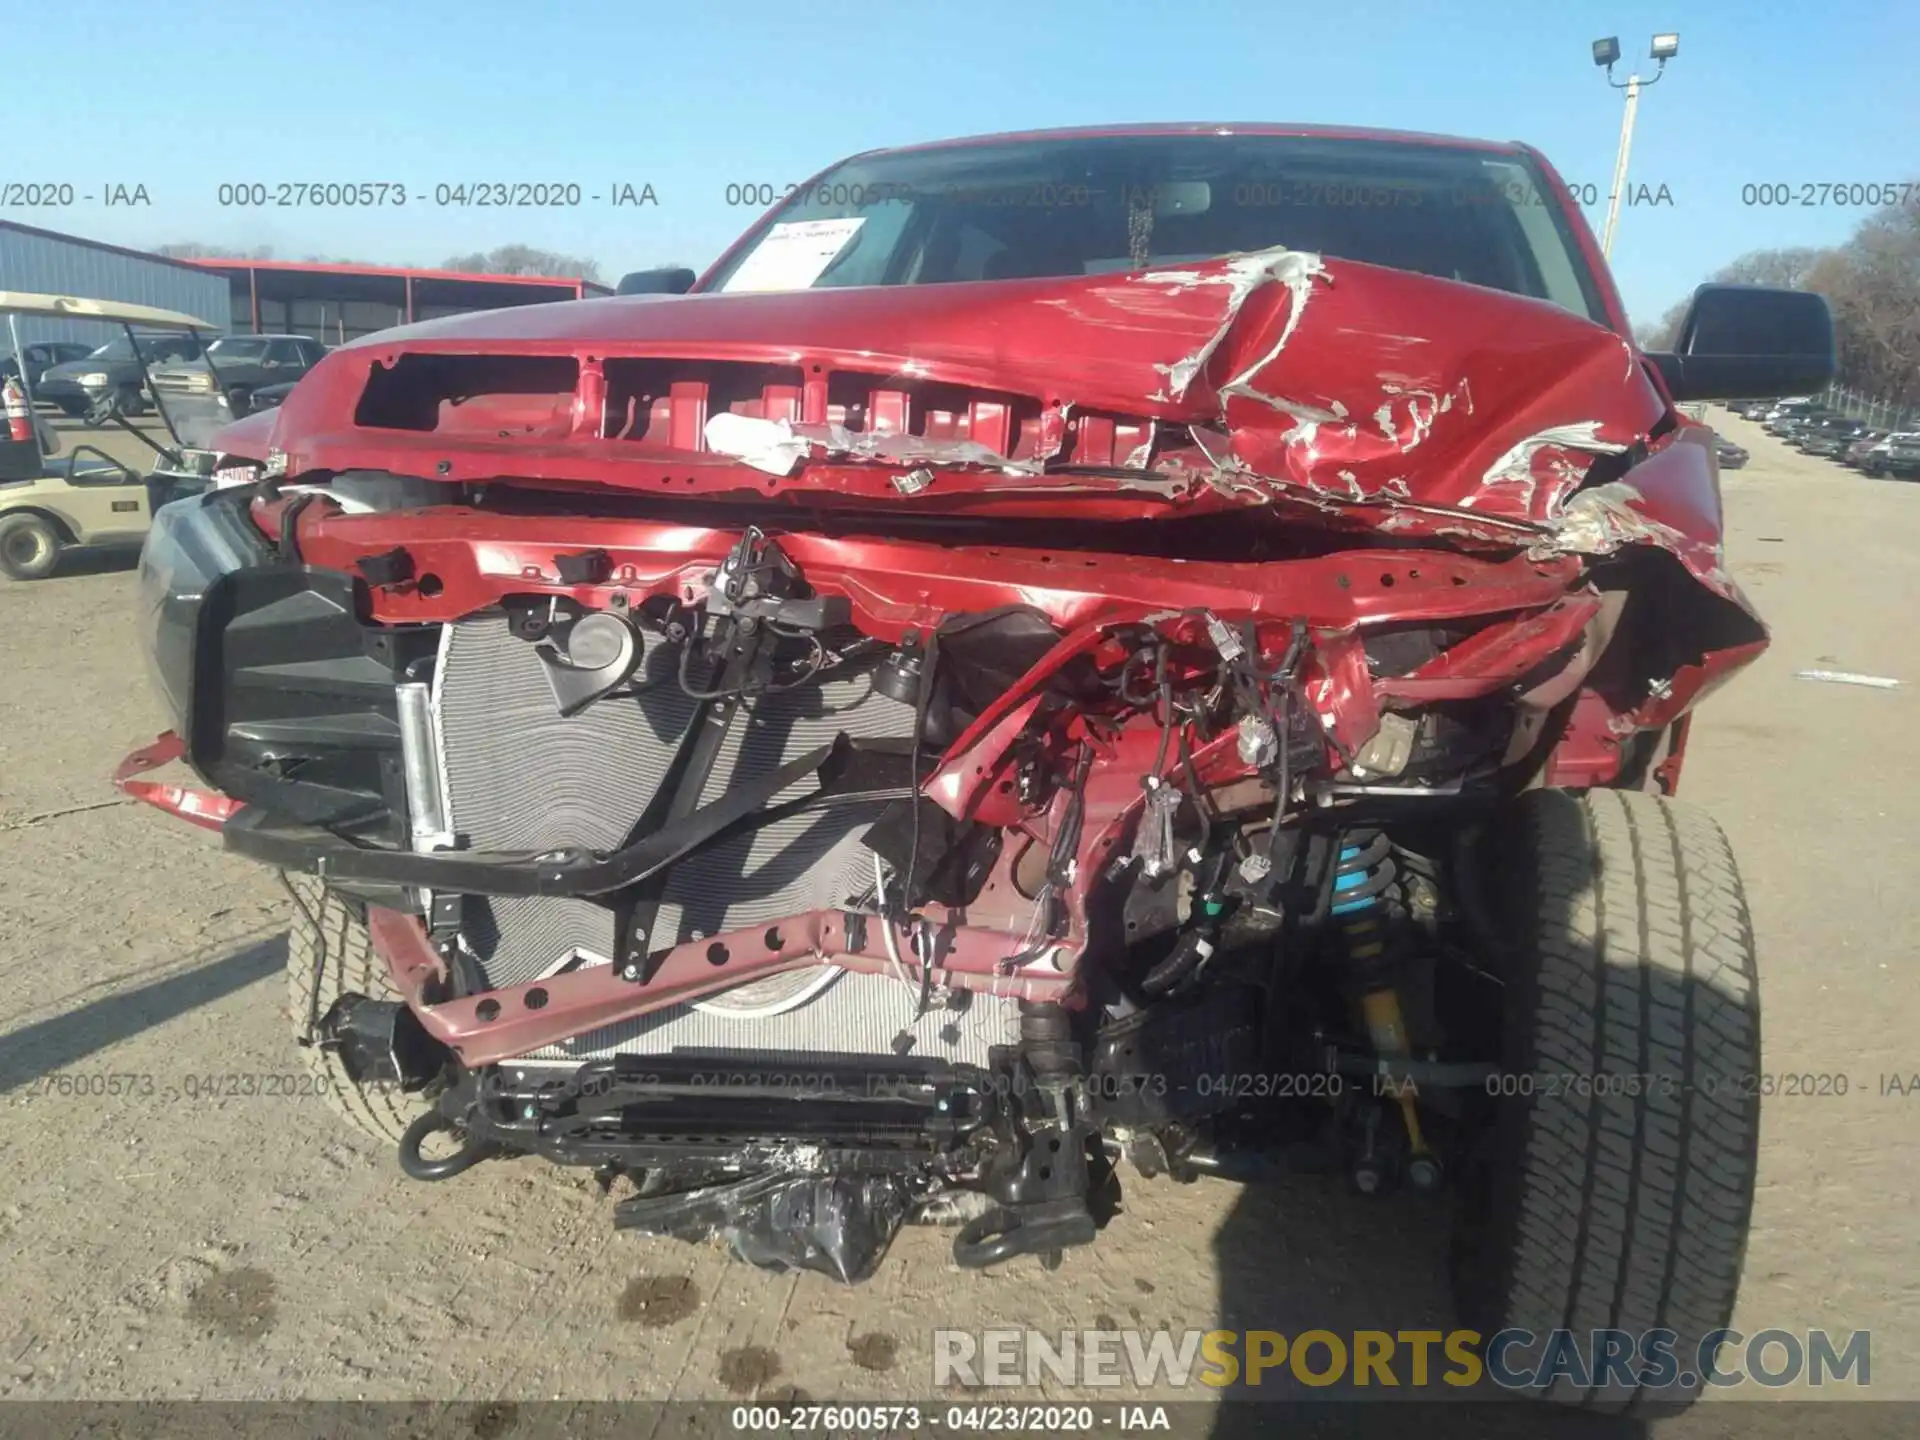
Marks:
<point>1544,459</point>
<point>1238,276</point>
<point>1600,520</point>
<point>1509,404</point>
<point>1273,377</point>
<point>1670,501</point>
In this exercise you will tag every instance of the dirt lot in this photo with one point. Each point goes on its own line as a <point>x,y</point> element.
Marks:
<point>233,1247</point>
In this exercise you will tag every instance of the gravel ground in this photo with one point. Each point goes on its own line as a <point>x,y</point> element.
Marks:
<point>157,1245</point>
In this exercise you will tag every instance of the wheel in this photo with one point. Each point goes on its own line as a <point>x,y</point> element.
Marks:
<point>127,401</point>
<point>74,409</point>
<point>1616,1195</point>
<point>326,934</point>
<point>239,402</point>
<point>29,546</point>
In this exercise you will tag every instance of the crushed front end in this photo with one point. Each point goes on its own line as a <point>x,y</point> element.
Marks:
<point>825,787</point>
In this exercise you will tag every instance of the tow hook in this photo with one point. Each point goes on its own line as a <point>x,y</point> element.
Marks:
<point>1042,1207</point>
<point>472,1149</point>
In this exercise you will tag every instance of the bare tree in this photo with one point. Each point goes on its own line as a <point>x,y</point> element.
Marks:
<point>196,250</point>
<point>1875,294</point>
<point>525,260</point>
<point>1787,268</point>
<point>1661,334</point>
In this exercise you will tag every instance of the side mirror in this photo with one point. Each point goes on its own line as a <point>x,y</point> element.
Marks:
<point>656,282</point>
<point>1750,340</point>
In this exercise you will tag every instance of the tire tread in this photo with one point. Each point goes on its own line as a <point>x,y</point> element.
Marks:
<point>1626,1211</point>
<point>379,1111</point>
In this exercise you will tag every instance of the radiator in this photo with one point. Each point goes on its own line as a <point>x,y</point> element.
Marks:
<point>520,777</point>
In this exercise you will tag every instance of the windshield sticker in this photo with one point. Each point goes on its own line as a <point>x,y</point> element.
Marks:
<point>794,254</point>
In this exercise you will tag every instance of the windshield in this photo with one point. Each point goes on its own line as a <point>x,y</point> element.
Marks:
<point>239,348</point>
<point>193,395</point>
<point>154,347</point>
<point>1088,206</point>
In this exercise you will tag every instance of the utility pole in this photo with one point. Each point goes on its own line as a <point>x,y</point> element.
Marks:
<point>1606,53</point>
<point>1620,167</point>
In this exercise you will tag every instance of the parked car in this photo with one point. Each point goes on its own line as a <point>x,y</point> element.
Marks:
<point>40,356</point>
<point>1755,409</point>
<point>1730,455</point>
<point>1855,455</point>
<point>1873,457</point>
<point>1831,436</point>
<point>1901,457</point>
<point>113,372</point>
<point>246,362</point>
<point>1792,412</point>
<point>1786,427</point>
<point>266,397</point>
<point>932,711</point>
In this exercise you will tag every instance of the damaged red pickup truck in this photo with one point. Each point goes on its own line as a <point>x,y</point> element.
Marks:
<point>1167,647</point>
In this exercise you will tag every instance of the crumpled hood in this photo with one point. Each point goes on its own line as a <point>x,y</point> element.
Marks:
<point>1281,371</point>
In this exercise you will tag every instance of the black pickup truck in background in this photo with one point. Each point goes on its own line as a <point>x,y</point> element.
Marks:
<point>246,363</point>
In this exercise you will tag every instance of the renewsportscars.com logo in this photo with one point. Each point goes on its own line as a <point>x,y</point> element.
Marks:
<point>1410,1359</point>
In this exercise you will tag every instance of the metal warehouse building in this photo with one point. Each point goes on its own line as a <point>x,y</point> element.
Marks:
<point>337,303</point>
<point>47,263</point>
<point>330,303</point>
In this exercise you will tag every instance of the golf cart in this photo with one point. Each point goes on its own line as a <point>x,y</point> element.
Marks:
<point>88,497</point>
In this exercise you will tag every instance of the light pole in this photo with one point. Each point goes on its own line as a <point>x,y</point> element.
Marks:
<point>1606,53</point>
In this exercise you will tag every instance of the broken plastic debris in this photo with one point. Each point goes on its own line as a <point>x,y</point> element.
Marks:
<point>768,445</point>
<point>777,446</point>
<point>1848,677</point>
<point>889,445</point>
<point>837,1225</point>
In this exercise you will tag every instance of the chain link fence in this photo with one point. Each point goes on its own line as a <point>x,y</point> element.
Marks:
<point>1878,414</point>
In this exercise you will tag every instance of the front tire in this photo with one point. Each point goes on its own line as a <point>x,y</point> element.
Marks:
<point>329,954</point>
<point>1615,1191</point>
<point>29,546</point>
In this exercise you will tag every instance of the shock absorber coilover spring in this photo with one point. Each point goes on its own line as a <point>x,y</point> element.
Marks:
<point>1368,906</point>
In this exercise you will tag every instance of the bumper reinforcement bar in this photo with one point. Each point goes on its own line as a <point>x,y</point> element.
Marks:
<point>572,871</point>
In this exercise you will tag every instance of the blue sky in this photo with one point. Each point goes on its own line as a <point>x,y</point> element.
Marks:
<point>691,98</point>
